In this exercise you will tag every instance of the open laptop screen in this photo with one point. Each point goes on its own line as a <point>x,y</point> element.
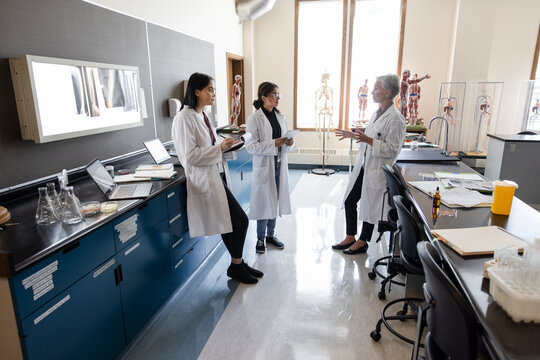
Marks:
<point>101,176</point>
<point>157,150</point>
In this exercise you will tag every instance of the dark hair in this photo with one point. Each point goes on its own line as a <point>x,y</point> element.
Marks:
<point>197,81</point>
<point>265,89</point>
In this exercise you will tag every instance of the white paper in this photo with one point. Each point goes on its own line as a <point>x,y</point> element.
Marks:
<point>291,134</point>
<point>159,174</point>
<point>154,167</point>
<point>457,175</point>
<point>455,197</point>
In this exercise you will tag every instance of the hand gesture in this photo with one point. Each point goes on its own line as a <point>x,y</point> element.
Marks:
<point>228,143</point>
<point>280,141</point>
<point>289,142</point>
<point>344,134</point>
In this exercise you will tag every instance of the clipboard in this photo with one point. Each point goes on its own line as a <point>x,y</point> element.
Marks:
<point>478,240</point>
<point>235,147</point>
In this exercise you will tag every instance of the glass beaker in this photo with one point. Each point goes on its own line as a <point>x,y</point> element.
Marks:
<point>55,199</point>
<point>45,213</point>
<point>71,211</point>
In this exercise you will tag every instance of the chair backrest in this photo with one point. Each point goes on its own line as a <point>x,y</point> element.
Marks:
<point>392,184</point>
<point>411,232</point>
<point>450,319</point>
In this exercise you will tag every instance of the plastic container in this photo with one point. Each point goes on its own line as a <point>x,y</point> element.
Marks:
<point>109,207</point>
<point>90,208</point>
<point>503,193</point>
<point>522,303</point>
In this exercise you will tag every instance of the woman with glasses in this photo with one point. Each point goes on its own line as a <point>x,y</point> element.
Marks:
<point>270,185</point>
<point>211,207</point>
<point>379,144</point>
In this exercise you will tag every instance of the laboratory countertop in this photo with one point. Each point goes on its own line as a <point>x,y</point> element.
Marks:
<point>510,340</point>
<point>516,138</point>
<point>26,243</point>
<point>426,154</point>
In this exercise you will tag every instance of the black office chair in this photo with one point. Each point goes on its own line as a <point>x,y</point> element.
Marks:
<point>393,188</point>
<point>411,232</point>
<point>450,319</point>
<point>528,132</point>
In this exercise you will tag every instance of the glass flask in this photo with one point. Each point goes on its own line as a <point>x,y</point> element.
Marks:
<point>55,199</point>
<point>71,211</point>
<point>45,213</point>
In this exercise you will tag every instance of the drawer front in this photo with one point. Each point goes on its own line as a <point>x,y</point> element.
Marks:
<point>181,246</point>
<point>178,224</point>
<point>43,281</point>
<point>83,322</point>
<point>211,242</point>
<point>176,199</point>
<point>138,221</point>
<point>191,260</point>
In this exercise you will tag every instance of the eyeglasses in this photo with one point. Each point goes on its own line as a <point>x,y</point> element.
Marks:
<point>275,95</point>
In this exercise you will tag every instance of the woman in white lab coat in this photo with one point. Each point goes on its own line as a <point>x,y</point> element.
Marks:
<point>380,144</point>
<point>211,207</point>
<point>266,128</point>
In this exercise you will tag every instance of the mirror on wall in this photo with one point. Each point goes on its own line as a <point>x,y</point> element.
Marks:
<point>59,98</point>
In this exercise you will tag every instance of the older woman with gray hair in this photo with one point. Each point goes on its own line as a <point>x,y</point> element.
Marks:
<point>379,144</point>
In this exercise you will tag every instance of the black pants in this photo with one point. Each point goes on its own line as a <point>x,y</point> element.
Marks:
<point>234,241</point>
<point>351,214</point>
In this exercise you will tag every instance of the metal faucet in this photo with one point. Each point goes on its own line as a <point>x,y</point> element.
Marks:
<point>445,151</point>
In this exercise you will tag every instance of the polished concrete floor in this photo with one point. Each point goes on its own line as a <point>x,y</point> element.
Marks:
<point>312,303</point>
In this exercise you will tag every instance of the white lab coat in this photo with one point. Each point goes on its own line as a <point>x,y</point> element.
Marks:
<point>388,133</point>
<point>264,200</point>
<point>207,206</point>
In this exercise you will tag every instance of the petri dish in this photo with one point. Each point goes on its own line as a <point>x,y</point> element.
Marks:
<point>90,208</point>
<point>108,207</point>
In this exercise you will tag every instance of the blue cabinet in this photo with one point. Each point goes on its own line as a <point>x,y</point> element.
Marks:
<point>146,277</point>
<point>82,322</point>
<point>41,282</point>
<point>176,199</point>
<point>211,242</point>
<point>189,262</point>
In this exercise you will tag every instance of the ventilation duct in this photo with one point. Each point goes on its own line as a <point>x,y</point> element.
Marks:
<point>253,9</point>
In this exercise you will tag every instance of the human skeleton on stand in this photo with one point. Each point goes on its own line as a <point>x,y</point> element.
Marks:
<point>323,109</point>
<point>235,106</point>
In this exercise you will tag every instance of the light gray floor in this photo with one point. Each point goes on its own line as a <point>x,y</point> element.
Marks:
<point>312,303</point>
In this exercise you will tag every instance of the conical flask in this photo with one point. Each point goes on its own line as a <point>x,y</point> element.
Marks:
<point>55,199</point>
<point>71,211</point>
<point>45,213</point>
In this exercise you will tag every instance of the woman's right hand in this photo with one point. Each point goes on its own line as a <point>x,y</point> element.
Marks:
<point>226,144</point>
<point>280,141</point>
<point>344,134</point>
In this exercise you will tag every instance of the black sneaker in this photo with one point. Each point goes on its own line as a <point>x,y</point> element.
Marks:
<point>260,247</point>
<point>240,273</point>
<point>253,272</point>
<point>272,240</point>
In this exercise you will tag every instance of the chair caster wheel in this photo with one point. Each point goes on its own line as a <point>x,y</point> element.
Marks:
<point>371,275</point>
<point>382,295</point>
<point>376,336</point>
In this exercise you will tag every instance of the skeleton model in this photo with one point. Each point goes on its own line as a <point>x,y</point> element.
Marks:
<point>235,105</point>
<point>362,101</point>
<point>324,108</point>
<point>409,96</point>
<point>482,114</point>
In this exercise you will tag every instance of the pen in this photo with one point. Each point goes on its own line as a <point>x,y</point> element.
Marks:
<point>222,136</point>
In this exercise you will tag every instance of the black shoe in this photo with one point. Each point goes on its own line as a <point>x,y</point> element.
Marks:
<point>361,249</point>
<point>260,247</point>
<point>342,247</point>
<point>253,272</point>
<point>272,240</point>
<point>240,273</point>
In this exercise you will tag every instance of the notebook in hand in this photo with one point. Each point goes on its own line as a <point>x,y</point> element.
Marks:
<point>113,191</point>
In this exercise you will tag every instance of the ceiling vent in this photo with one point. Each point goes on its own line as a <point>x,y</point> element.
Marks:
<point>252,9</point>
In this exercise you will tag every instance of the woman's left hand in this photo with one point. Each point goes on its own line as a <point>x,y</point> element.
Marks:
<point>289,142</point>
<point>360,136</point>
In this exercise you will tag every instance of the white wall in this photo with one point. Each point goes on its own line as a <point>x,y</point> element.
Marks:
<point>214,21</point>
<point>453,40</point>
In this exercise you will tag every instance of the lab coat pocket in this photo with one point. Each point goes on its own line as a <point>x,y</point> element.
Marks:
<point>200,182</point>
<point>260,175</point>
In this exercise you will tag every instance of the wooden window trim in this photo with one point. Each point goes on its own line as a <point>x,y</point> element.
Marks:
<point>535,59</point>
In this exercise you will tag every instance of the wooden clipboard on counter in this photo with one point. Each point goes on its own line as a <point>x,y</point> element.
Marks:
<point>478,240</point>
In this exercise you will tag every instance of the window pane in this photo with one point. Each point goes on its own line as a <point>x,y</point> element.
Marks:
<point>375,49</point>
<point>320,35</point>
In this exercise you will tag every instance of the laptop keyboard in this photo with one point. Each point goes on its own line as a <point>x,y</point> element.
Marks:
<point>125,191</point>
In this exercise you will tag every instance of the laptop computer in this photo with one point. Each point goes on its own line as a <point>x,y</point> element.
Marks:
<point>157,150</point>
<point>113,191</point>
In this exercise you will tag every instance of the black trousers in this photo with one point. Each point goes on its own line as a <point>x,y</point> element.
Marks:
<point>234,241</point>
<point>351,214</point>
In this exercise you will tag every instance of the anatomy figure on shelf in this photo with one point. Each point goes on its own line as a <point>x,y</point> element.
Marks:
<point>235,105</point>
<point>448,108</point>
<point>535,111</point>
<point>324,108</point>
<point>406,104</point>
<point>362,101</point>
<point>482,116</point>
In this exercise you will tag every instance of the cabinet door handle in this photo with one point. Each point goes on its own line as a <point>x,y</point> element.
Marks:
<point>241,176</point>
<point>71,246</point>
<point>170,195</point>
<point>142,206</point>
<point>118,275</point>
